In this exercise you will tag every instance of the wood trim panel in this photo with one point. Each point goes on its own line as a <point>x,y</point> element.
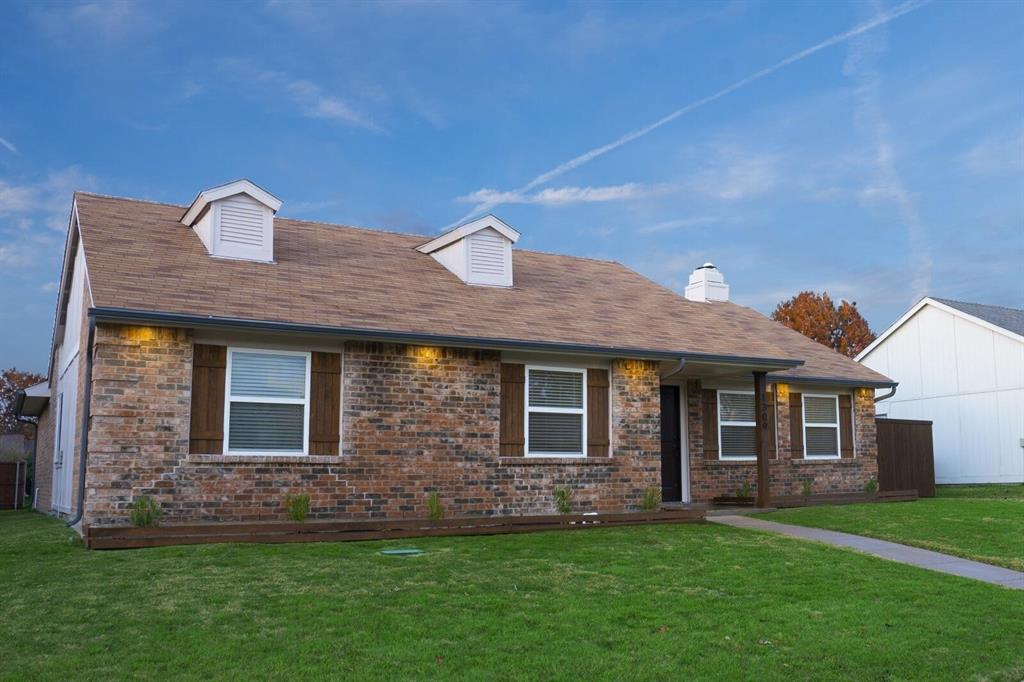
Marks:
<point>206,423</point>
<point>796,425</point>
<point>325,403</point>
<point>845,426</point>
<point>709,418</point>
<point>513,405</point>
<point>597,413</point>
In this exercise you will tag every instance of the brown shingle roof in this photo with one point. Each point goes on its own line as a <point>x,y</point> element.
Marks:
<point>140,257</point>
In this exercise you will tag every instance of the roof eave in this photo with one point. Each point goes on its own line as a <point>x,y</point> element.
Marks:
<point>127,315</point>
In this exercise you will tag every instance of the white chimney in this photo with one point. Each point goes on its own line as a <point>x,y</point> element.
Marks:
<point>707,284</point>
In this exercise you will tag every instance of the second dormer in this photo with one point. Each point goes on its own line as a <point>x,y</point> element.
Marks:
<point>479,252</point>
<point>235,220</point>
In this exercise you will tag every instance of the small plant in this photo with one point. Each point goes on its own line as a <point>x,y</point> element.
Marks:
<point>807,487</point>
<point>434,507</point>
<point>871,486</point>
<point>745,490</point>
<point>563,500</point>
<point>652,499</point>
<point>145,511</point>
<point>298,507</point>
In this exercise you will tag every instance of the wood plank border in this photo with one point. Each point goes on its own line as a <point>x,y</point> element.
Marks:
<point>125,537</point>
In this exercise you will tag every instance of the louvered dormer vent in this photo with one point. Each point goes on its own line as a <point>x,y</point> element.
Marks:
<point>235,220</point>
<point>479,252</point>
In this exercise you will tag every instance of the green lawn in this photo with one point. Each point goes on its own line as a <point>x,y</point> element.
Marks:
<point>980,522</point>
<point>653,602</point>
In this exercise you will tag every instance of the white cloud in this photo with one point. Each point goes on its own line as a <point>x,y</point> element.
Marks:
<point>311,99</point>
<point>46,201</point>
<point>564,196</point>
<point>8,145</point>
<point>49,287</point>
<point>735,176</point>
<point>886,184</point>
<point>677,224</point>
<point>880,19</point>
<point>1002,154</point>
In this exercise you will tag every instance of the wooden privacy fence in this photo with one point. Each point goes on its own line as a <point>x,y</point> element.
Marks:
<point>905,457</point>
<point>12,484</point>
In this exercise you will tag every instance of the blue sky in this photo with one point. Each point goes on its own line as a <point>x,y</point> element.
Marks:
<point>878,165</point>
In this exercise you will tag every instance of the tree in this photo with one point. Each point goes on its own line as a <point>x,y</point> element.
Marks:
<point>841,327</point>
<point>11,381</point>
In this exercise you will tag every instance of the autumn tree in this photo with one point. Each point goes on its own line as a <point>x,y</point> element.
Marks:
<point>11,381</point>
<point>814,315</point>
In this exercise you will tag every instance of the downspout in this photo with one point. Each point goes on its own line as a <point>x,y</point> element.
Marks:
<point>675,370</point>
<point>886,396</point>
<point>83,449</point>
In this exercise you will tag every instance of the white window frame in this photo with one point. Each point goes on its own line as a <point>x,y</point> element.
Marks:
<point>839,434</point>
<point>279,401</point>
<point>721,423</point>
<point>554,410</point>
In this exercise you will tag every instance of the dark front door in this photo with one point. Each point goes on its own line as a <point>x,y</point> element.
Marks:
<point>671,475</point>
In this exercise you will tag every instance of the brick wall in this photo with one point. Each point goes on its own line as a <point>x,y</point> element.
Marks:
<point>42,468</point>
<point>416,420</point>
<point>711,477</point>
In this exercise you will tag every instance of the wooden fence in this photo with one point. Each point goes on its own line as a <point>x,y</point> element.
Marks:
<point>122,537</point>
<point>905,457</point>
<point>12,484</point>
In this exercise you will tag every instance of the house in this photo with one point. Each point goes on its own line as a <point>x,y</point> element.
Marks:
<point>223,357</point>
<point>961,366</point>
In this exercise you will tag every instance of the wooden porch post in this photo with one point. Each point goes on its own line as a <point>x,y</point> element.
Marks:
<point>761,440</point>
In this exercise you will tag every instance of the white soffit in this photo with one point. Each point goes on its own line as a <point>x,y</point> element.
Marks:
<point>229,190</point>
<point>463,231</point>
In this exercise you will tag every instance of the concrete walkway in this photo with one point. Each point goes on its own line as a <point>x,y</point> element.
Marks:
<point>933,561</point>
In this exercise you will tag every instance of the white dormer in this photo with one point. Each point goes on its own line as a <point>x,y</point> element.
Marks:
<point>479,252</point>
<point>235,220</point>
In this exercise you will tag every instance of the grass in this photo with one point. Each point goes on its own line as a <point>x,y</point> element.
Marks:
<point>650,602</point>
<point>980,522</point>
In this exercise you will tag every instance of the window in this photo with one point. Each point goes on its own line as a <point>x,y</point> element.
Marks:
<point>736,425</point>
<point>555,412</point>
<point>821,426</point>
<point>267,402</point>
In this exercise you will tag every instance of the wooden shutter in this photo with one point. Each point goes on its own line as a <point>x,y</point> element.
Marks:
<point>325,404</point>
<point>796,425</point>
<point>709,414</point>
<point>770,400</point>
<point>597,413</point>
<point>513,404</point>
<point>206,427</point>
<point>846,425</point>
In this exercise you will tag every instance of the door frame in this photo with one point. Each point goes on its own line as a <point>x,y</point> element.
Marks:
<point>684,448</point>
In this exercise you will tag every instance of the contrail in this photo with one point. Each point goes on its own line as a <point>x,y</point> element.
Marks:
<point>587,157</point>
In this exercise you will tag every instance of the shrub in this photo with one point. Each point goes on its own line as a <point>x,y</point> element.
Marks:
<point>145,511</point>
<point>745,490</point>
<point>871,486</point>
<point>298,507</point>
<point>563,500</point>
<point>434,507</point>
<point>807,487</point>
<point>652,499</point>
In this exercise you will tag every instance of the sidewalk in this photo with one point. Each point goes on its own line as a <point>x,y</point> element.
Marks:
<point>934,561</point>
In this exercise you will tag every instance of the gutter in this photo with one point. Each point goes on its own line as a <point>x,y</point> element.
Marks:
<point>675,370</point>
<point>187,320</point>
<point>83,450</point>
<point>886,396</point>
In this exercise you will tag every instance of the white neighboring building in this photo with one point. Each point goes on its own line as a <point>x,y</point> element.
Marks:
<point>960,365</point>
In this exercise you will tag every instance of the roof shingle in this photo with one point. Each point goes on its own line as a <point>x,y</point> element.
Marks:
<point>140,257</point>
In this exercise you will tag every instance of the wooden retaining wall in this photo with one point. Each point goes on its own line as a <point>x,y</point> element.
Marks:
<point>124,537</point>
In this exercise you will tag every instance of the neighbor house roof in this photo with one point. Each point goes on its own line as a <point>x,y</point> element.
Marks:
<point>141,258</point>
<point>1010,319</point>
<point>1006,321</point>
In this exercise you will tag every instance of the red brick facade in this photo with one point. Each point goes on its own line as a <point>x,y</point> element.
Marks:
<point>711,477</point>
<point>415,421</point>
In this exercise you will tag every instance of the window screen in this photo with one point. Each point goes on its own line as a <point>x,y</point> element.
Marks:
<point>736,425</point>
<point>267,403</point>
<point>821,426</point>
<point>555,412</point>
